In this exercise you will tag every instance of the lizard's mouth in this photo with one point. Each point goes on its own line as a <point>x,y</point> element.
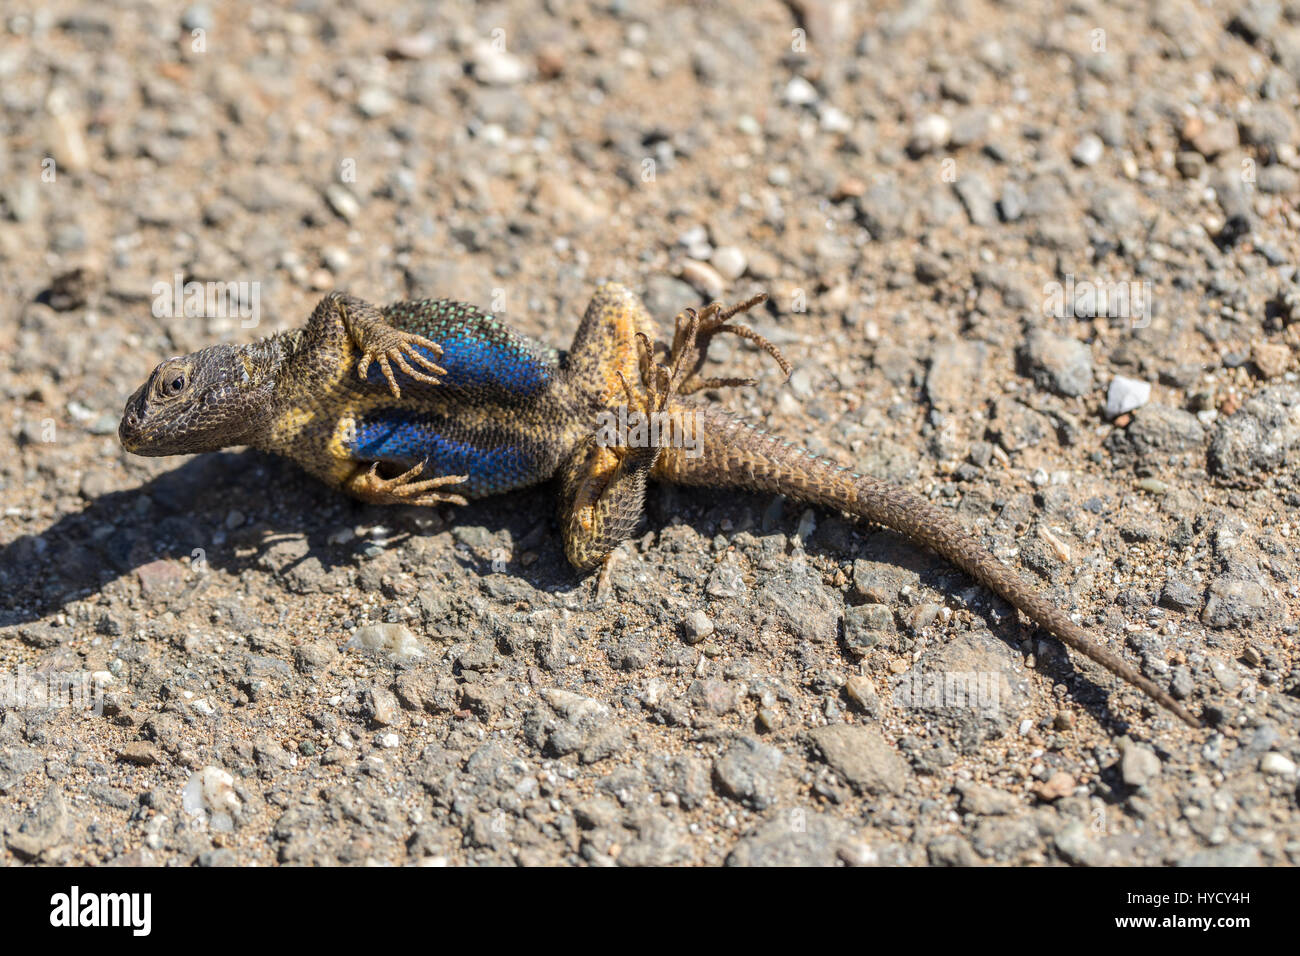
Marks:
<point>130,429</point>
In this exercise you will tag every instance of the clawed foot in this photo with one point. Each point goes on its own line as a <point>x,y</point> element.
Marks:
<point>387,345</point>
<point>660,381</point>
<point>692,334</point>
<point>404,489</point>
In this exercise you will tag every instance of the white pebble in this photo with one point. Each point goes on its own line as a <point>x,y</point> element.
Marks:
<point>376,101</point>
<point>497,67</point>
<point>1277,765</point>
<point>212,791</point>
<point>931,132</point>
<point>394,639</point>
<point>1089,150</point>
<point>1126,394</point>
<point>729,261</point>
<point>799,92</point>
<point>835,120</point>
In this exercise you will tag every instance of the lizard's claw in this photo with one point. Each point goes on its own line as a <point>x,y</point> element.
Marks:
<point>694,330</point>
<point>404,489</point>
<point>389,346</point>
<point>660,381</point>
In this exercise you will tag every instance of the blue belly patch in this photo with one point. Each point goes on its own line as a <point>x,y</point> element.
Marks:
<point>402,437</point>
<point>473,360</point>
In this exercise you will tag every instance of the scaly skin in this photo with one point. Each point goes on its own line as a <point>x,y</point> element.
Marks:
<point>436,402</point>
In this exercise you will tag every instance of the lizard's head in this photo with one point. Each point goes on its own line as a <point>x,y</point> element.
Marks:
<point>199,402</point>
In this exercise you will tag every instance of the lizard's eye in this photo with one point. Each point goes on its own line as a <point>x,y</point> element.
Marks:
<point>171,382</point>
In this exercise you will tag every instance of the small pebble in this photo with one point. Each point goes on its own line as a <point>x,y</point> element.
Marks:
<point>1126,395</point>
<point>376,101</point>
<point>706,279</point>
<point>1277,765</point>
<point>395,640</point>
<point>342,201</point>
<point>1089,151</point>
<point>799,92</point>
<point>1139,765</point>
<point>1272,359</point>
<point>930,132</point>
<point>1059,785</point>
<point>729,261</point>
<point>696,626</point>
<point>494,67</point>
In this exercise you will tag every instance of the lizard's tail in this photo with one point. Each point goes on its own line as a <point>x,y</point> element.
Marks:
<point>733,453</point>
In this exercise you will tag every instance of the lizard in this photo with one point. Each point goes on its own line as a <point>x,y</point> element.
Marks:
<point>436,402</point>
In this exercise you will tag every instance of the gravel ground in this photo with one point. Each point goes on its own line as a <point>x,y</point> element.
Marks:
<point>931,193</point>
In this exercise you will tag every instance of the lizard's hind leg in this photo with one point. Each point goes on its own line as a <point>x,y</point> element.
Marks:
<point>602,484</point>
<point>367,485</point>
<point>695,330</point>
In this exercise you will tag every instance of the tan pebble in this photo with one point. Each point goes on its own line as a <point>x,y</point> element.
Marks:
<point>848,188</point>
<point>1059,784</point>
<point>706,279</point>
<point>1271,359</point>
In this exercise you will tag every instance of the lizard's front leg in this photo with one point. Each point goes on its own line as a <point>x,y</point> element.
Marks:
<point>366,484</point>
<point>380,342</point>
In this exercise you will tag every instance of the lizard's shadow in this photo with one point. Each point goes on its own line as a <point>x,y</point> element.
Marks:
<point>232,507</point>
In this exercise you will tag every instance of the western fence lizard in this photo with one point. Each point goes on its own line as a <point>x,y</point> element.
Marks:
<point>435,401</point>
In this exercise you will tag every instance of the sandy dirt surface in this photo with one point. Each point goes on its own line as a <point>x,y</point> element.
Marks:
<point>1036,261</point>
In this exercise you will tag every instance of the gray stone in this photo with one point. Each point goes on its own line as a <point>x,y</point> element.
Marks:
<point>862,757</point>
<point>696,626</point>
<point>1004,838</point>
<point>1263,435</point>
<point>983,800</point>
<point>380,706</point>
<point>977,197</point>
<point>796,598</point>
<point>867,625</point>
<point>1058,363</point>
<point>748,772</point>
<point>44,830</point>
<point>1156,431</point>
<point>930,132</point>
<point>1233,601</point>
<point>969,684</point>
<point>794,838</point>
<point>1138,765</point>
<point>1075,845</point>
<point>1268,124</point>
